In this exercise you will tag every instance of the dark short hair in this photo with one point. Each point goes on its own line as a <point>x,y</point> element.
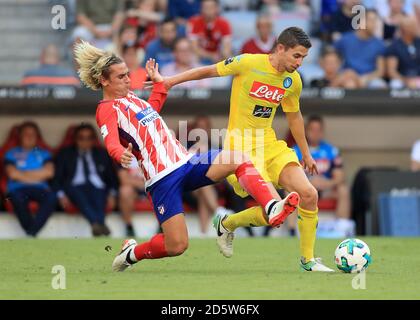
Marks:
<point>84,126</point>
<point>292,37</point>
<point>315,118</point>
<point>329,50</point>
<point>167,20</point>
<point>28,124</point>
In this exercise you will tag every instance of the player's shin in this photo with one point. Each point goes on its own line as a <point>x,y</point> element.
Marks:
<point>251,217</point>
<point>253,183</point>
<point>152,249</point>
<point>307,224</point>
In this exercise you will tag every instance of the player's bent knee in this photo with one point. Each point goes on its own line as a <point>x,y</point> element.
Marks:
<point>309,195</point>
<point>177,248</point>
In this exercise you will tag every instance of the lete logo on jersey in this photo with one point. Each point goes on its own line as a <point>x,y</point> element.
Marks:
<point>147,116</point>
<point>266,92</point>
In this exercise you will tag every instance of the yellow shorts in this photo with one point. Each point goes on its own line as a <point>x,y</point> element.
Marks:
<point>276,156</point>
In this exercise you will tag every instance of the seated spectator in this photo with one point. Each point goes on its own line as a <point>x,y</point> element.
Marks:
<point>185,59</point>
<point>161,49</point>
<point>415,156</point>
<point>328,10</point>
<point>85,175</point>
<point>98,21</point>
<point>403,56</point>
<point>341,21</point>
<point>144,17</point>
<point>131,188</point>
<point>50,73</point>
<point>331,62</point>
<point>210,34</point>
<point>28,169</point>
<point>181,11</point>
<point>137,74</point>
<point>392,20</point>
<point>369,63</point>
<point>330,181</point>
<point>264,41</point>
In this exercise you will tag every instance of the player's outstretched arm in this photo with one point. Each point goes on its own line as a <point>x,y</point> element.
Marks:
<point>193,74</point>
<point>297,127</point>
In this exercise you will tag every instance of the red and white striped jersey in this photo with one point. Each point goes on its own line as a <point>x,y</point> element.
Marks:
<point>136,121</point>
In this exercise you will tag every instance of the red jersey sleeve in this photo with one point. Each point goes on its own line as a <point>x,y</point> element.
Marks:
<point>225,28</point>
<point>107,120</point>
<point>158,96</point>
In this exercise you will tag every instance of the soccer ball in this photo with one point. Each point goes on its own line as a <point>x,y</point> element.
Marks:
<point>352,256</point>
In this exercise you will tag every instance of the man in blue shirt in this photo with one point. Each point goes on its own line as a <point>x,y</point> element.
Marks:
<point>330,180</point>
<point>403,56</point>
<point>181,11</point>
<point>363,53</point>
<point>161,49</point>
<point>28,168</point>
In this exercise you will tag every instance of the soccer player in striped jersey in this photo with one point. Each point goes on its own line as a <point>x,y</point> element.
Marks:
<point>136,135</point>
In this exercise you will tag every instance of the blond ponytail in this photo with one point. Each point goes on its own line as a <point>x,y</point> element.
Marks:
<point>93,63</point>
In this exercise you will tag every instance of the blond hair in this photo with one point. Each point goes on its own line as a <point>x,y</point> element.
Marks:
<point>93,63</point>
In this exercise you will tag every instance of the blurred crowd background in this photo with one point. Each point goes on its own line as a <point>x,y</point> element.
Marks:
<point>181,34</point>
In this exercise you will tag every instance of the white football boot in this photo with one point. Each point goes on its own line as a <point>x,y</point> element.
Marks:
<point>224,237</point>
<point>314,265</point>
<point>120,262</point>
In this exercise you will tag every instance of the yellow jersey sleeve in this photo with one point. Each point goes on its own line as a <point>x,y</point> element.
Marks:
<point>290,103</point>
<point>233,65</point>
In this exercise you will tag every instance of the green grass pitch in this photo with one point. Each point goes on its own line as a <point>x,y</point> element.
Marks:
<point>261,268</point>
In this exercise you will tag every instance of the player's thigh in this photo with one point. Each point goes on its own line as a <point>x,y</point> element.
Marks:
<point>293,178</point>
<point>226,162</point>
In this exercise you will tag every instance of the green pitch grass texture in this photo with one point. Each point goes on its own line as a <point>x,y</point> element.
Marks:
<point>261,268</point>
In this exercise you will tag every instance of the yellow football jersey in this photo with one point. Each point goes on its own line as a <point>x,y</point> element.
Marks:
<point>257,90</point>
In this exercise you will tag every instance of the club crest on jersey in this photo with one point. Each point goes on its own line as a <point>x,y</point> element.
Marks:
<point>147,116</point>
<point>229,60</point>
<point>266,92</point>
<point>161,209</point>
<point>287,83</point>
<point>262,112</point>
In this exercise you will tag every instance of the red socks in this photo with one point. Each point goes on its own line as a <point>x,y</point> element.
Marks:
<point>153,249</point>
<point>252,182</point>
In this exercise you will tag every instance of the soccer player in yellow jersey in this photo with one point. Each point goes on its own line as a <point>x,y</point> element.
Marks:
<point>262,83</point>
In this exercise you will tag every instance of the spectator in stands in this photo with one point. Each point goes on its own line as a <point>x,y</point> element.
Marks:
<point>185,59</point>
<point>98,21</point>
<point>392,21</point>
<point>403,56</point>
<point>144,17</point>
<point>28,169</point>
<point>50,73</point>
<point>264,41</point>
<point>210,34</point>
<point>131,188</point>
<point>181,11</point>
<point>330,62</point>
<point>330,181</point>
<point>369,63</point>
<point>341,21</point>
<point>137,74</point>
<point>328,10</point>
<point>415,156</point>
<point>161,49</point>
<point>85,175</point>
